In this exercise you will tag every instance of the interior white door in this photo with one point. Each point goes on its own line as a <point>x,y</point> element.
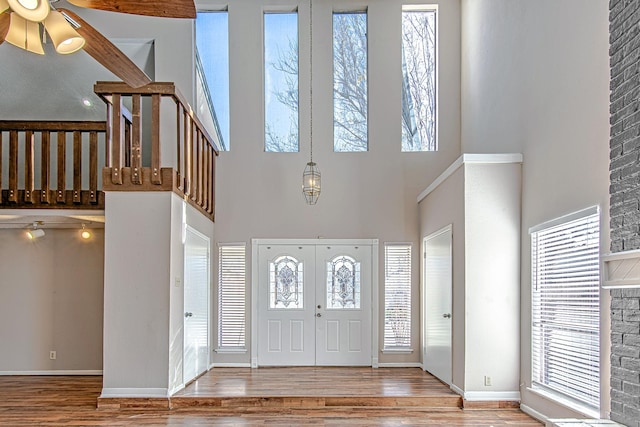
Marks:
<point>196,305</point>
<point>437,357</point>
<point>343,305</point>
<point>286,311</point>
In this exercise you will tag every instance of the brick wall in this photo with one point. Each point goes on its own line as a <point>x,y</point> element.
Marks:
<point>625,204</point>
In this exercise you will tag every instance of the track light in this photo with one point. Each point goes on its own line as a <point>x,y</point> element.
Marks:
<point>35,233</point>
<point>85,234</point>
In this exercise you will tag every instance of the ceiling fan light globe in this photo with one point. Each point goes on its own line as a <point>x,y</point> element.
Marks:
<point>32,10</point>
<point>24,34</point>
<point>64,37</point>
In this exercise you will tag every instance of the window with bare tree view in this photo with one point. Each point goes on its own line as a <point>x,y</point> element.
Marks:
<point>350,100</point>
<point>281,82</point>
<point>419,80</point>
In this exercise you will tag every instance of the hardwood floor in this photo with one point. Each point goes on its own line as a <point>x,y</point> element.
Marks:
<point>63,401</point>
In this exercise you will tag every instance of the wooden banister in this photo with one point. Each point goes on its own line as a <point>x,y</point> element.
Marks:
<point>193,174</point>
<point>37,136</point>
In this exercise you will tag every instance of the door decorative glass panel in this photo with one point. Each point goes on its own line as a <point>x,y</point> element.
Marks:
<point>286,283</point>
<point>343,283</point>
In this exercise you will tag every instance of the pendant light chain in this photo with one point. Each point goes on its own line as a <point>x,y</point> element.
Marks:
<point>311,77</point>
<point>311,176</point>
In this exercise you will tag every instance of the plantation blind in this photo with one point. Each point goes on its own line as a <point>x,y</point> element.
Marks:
<point>566,307</point>
<point>231,297</point>
<point>397,296</point>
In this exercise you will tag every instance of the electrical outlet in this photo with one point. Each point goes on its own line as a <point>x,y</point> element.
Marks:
<point>52,355</point>
<point>487,381</point>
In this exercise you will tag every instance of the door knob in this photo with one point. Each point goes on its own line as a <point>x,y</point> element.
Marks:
<point>447,315</point>
<point>318,315</point>
<point>188,314</point>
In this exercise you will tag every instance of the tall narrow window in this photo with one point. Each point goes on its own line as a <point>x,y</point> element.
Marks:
<point>281,82</point>
<point>397,296</point>
<point>350,97</point>
<point>419,79</point>
<point>231,297</point>
<point>212,70</point>
<point>566,307</point>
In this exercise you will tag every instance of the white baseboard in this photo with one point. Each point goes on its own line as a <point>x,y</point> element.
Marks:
<point>479,396</point>
<point>230,365</point>
<point>492,396</point>
<point>456,389</point>
<point>535,414</point>
<point>400,365</point>
<point>58,372</point>
<point>134,392</point>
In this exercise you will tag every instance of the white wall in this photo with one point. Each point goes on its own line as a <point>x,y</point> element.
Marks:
<point>364,195</point>
<point>444,206</point>
<point>481,200</point>
<point>144,292</point>
<point>492,276</point>
<point>51,299</point>
<point>535,79</point>
<point>136,293</point>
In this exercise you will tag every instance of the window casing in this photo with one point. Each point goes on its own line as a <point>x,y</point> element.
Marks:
<point>419,73</point>
<point>566,307</point>
<point>350,90</point>
<point>232,297</point>
<point>397,296</point>
<point>281,121</point>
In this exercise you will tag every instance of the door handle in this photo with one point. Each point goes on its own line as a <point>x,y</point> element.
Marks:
<point>447,315</point>
<point>188,314</point>
<point>318,315</point>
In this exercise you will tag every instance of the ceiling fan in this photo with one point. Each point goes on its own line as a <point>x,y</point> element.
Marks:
<point>21,23</point>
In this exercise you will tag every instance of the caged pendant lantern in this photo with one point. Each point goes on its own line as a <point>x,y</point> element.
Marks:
<point>311,175</point>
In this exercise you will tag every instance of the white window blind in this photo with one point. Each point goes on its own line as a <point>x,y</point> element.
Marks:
<point>231,297</point>
<point>397,296</point>
<point>566,309</point>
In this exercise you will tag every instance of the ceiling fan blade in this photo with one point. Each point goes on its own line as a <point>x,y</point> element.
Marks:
<point>5,20</point>
<point>107,54</point>
<point>163,9</point>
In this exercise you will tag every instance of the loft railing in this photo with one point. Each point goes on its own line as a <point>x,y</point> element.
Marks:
<point>191,173</point>
<point>51,153</point>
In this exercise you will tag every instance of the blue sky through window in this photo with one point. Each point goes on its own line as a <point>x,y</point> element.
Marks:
<point>281,81</point>
<point>212,40</point>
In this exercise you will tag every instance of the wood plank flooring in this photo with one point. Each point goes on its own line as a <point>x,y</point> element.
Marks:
<point>64,401</point>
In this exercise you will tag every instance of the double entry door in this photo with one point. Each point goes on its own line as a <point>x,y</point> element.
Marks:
<point>314,305</point>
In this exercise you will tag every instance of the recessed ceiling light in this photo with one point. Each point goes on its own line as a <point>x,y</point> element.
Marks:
<point>86,102</point>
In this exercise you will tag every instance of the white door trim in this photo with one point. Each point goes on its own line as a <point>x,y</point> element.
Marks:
<point>255,277</point>
<point>423,292</point>
<point>207,239</point>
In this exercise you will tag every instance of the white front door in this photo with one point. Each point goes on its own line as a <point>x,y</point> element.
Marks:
<point>436,356</point>
<point>196,305</point>
<point>286,315</point>
<point>314,305</point>
<point>343,305</point>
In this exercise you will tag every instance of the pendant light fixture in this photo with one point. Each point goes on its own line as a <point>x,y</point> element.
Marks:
<point>311,175</point>
<point>64,37</point>
<point>24,27</point>
<point>32,10</point>
<point>24,34</point>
